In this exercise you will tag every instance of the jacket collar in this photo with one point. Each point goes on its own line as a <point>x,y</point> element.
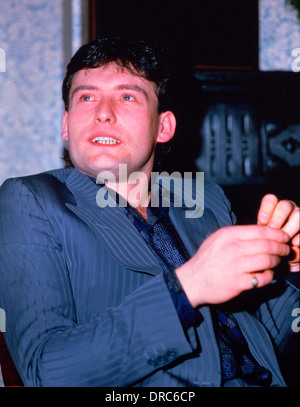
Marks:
<point>111,225</point>
<point>83,189</point>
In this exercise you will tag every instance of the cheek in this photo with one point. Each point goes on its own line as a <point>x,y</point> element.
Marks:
<point>144,128</point>
<point>75,127</point>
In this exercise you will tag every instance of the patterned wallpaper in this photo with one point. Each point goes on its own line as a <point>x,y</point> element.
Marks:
<point>279,34</point>
<point>30,99</point>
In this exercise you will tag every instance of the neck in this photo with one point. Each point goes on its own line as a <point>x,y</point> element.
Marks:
<point>132,187</point>
<point>142,211</point>
<point>137,194</point>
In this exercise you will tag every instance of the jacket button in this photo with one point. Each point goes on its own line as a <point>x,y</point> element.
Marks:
<point>152,362</point>
<point>171,354</point>
<point>163,359</point>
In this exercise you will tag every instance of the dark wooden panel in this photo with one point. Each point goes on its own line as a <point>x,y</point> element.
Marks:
<point>206,32</point>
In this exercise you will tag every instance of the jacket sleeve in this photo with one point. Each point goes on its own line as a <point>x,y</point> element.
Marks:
<point>280,316</point>
<point>48,346</point>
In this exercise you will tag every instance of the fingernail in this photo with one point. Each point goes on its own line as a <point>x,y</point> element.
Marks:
<point>271,225</point>
<point>263,217</point>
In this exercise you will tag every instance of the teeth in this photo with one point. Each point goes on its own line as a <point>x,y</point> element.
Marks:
<point>105,140</point>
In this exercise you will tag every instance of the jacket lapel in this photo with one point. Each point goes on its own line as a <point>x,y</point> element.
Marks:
<point>193,231</point>
<point>111,225</point>
<point>262,349</point>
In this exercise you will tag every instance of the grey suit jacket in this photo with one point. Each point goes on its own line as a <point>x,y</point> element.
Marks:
<point>85,300</point>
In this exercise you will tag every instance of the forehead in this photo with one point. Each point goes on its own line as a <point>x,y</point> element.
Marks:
<point>112,75</point>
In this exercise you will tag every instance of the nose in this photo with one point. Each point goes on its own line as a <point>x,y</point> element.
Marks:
<point>105,112</point>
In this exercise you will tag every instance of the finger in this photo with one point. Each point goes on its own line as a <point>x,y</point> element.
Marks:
<point>250,232</point>
<point>260,262</point>
<point>262,279</point>
<point>293,224</point>
<point>281,213</point>
<point>251,281</point>
<point>294,267</point>
<point>296,240</point>
<point>267,206</point>
<point>262,246</point>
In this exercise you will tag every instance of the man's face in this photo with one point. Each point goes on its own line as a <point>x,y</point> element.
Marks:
<point>113,119</point>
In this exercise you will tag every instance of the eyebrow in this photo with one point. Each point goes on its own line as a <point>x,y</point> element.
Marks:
<point>135,88</point>
<point>82,87</point>
<point>119,87</point>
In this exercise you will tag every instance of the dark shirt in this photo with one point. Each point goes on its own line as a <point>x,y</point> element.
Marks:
<point>187,314</point>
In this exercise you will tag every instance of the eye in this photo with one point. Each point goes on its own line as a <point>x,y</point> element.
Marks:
<point>127,97</point>
<point>86,98</point>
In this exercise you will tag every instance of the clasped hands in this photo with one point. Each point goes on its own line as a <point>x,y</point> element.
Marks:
<point>224,265</point>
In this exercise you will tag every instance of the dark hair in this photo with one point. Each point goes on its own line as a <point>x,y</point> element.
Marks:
<point>150,61</point>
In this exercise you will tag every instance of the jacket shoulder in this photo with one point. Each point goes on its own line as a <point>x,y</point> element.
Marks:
<point>216,200</point>
<point>44,186</point>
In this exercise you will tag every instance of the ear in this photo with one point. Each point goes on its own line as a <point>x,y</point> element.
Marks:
<point>167,127</point>
<point>64,128</point>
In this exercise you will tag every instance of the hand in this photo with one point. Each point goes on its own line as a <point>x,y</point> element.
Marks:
<point>224,264</point>
<point>283,215</point>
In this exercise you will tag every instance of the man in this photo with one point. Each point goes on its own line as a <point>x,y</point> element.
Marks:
<point>91,295</point>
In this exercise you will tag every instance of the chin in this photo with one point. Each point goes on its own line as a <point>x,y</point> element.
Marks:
<point>109,168</point>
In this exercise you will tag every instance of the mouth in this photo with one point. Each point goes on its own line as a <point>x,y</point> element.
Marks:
<point>105,140</point>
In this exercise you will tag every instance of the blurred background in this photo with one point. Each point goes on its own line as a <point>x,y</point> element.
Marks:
<point>238,118</point>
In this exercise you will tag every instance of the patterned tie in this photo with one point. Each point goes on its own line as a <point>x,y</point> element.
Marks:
<point>167,245</point>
